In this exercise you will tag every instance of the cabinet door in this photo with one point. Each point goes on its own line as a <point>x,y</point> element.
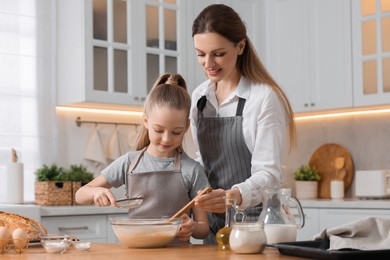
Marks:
<point>371,52</point>
<point>89,228</point>
<point>330,218</point>
<point>311,226</point>
<point>310,52</point>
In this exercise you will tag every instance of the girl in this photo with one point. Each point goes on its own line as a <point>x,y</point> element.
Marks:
<point>159,169</point>
<point>239,116</point>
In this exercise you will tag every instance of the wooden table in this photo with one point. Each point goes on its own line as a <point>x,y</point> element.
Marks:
<point>119,252</point>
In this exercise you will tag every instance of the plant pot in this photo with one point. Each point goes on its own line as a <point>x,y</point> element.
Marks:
<point>306,189</point>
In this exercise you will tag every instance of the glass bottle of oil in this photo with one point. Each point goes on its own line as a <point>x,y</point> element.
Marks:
<point>222,236</point>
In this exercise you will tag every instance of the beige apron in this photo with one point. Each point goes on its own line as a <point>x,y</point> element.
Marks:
<point>164,191</point>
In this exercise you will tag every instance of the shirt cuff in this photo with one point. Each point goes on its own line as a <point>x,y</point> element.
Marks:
<point>246,195</point>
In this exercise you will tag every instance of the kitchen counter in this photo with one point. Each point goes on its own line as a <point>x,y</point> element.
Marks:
<point>352,203</point>
<point>119,251</point>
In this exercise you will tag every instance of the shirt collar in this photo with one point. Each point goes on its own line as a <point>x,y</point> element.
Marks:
<point>242,90</point>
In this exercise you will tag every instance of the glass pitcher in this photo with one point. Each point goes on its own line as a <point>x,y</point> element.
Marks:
<point>279,222</point>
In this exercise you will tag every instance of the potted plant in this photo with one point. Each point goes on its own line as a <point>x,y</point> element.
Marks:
<point>79,176</point>
<point>51,187</point>
<point>306,182</point>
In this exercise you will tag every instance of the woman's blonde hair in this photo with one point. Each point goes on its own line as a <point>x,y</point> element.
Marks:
<point>223,20</point>
<point>169,90</point>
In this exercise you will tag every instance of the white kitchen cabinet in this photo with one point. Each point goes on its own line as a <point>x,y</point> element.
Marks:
<point>329,218</point>
<point>111,51</point>
<point>308,45</point>
<point>371,52</point>
<point>88,228</point>
<point>311,226</point>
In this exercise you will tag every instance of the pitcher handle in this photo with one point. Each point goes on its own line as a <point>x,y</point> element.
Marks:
<point>300,211</point>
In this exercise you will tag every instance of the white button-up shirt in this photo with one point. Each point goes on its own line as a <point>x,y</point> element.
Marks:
<point>264,128</point>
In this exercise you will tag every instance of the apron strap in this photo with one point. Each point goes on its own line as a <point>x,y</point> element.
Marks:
<point>203,100</point>
<point>136,160</point>
<point>240,106</point>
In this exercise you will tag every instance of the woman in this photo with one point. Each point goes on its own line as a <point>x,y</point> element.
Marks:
<point>239,116</point>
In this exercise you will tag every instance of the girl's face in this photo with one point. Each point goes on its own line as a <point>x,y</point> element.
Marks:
<point>166,129</point>
<point>218,56</point>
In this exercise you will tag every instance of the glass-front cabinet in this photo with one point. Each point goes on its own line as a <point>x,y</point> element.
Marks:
<point>112,51</point>
<point>371,52</point>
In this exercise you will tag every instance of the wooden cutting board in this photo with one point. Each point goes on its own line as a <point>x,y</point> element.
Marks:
<point>323,159</point>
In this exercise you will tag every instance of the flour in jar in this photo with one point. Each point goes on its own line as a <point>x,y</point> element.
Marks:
<point>277,233</point>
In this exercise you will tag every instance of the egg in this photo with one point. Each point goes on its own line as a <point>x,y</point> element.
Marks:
<point>5,236</point>
<point>20,238</point>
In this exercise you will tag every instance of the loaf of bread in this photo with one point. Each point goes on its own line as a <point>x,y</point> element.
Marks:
<point>14,221</point>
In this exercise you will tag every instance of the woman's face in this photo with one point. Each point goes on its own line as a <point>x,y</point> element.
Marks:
<point>217,56</point>
<point>166,129</point>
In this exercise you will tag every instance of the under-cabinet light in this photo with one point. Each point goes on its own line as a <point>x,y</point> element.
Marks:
<point>341,114</point>
<point>100,111</point>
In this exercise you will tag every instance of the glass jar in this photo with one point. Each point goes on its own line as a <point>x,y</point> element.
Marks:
<point>247,237</point>
<point>231,214</point>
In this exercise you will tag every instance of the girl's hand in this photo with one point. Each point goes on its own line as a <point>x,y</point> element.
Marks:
<point>213,201</point>
<point>186,228</point>
<point>103,197</point>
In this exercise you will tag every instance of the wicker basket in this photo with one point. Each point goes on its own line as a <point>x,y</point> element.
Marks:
<point>53,193</point>
<point>75,186</point>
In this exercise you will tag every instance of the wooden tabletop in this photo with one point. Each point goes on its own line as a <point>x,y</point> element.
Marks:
<point>119,252</point>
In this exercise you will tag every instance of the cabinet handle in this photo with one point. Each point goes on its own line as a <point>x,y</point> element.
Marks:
<point>306,105</point>
<point>136,98</point>
<point>64,229</point>
<point>312,104</point>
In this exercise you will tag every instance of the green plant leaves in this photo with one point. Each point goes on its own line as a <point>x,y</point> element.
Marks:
<point>306,173</point>
<point>56,173</point>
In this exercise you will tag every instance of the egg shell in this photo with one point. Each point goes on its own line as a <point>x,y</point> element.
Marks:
<point>5,236</point>
<point>20,238</point>
<point>4,233</point>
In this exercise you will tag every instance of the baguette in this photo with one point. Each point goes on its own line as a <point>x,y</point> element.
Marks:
<point>13,221</point>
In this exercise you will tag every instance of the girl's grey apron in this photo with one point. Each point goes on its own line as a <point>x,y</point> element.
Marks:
<point>164,191</point>
<point>226,158</point>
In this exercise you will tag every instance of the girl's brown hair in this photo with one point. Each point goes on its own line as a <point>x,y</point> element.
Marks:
<point>223,20</point>
<point>169,90</point>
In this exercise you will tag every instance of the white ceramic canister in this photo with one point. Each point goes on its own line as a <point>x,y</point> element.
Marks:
<point>247,237</point>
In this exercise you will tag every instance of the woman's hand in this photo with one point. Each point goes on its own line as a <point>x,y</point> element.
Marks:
<point>213,201</point>
<point>186,228</point>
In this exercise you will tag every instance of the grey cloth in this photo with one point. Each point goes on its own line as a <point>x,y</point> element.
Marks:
<point>192,172</point>
<point>371,233</point>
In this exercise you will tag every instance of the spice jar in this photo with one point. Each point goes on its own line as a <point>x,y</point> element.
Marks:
<point>247,237</point>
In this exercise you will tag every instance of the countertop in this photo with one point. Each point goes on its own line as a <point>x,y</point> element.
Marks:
<point>36,211</point>
<point>119,251</point>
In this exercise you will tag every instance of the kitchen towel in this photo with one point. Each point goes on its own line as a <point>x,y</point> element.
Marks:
<point>371,233</point>
<point>94,151</point>
<point>114,146</point>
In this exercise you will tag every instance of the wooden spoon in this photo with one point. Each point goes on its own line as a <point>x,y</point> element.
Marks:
<point>189,204</point>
